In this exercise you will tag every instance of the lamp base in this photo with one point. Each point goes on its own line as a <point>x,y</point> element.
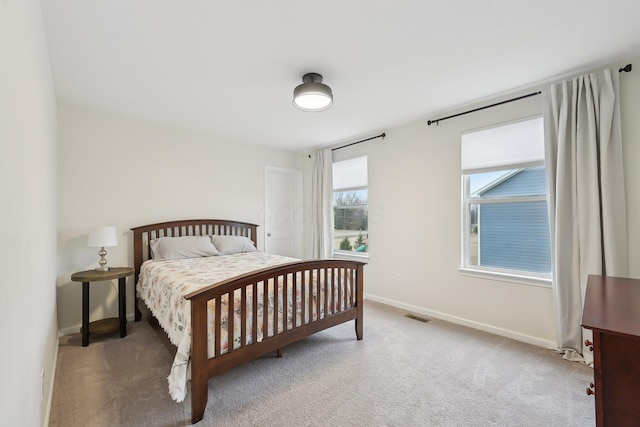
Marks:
<point>103,260</point>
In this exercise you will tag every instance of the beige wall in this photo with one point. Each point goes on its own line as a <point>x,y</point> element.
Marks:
<point>125,172</point>
<point>28,324</point>
<point>415,209</point>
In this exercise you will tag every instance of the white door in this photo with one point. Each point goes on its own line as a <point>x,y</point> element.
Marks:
<point>283,219</point>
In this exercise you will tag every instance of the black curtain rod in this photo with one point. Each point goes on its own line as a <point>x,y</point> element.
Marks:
<point>627,68</point>
<point>382,135</point>
<point>430,122</point>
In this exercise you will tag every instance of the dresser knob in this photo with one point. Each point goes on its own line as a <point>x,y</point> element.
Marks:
<point>588,344</point>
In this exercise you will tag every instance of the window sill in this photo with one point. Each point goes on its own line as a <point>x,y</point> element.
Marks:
<point>351,256</point>
<point>543,282</point>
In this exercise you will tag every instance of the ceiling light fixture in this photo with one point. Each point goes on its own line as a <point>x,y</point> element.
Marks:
<point>312,94</point>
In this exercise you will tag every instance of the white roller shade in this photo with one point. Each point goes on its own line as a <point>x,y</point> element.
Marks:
<point>512,145</point>
<point>350,174</point>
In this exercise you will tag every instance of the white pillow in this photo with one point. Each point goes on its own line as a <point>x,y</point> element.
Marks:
<point>228,245</point>
<point>182,247</point>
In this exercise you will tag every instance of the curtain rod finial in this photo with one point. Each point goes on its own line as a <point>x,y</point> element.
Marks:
<point>627,68</point>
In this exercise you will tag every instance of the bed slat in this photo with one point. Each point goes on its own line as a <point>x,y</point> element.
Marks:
<point>303,293</point>
<point>340,278</point>
<point>243,316</point>
<point>254,313</point>
<point>295,300</point>
<point>231,302</point>
<point>276,306</point>
<point>285,304</point>
<point>265,309</point>
<point>217,323</point>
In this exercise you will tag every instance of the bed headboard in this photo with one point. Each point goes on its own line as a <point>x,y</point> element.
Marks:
<point>143,235</point>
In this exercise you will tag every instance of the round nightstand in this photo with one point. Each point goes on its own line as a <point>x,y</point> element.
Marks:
<point>104,325</point>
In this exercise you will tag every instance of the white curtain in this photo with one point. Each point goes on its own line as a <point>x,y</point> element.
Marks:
<point>587,208</point>
<point>322,204</point>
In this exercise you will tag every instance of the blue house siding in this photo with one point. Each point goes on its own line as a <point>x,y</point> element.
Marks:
<point>505,243</point>
<point>515,235</point>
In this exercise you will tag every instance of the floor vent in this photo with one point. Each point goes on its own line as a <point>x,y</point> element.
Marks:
<point>418,318</point>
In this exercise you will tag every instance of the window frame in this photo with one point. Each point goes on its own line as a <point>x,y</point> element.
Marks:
<point>344,254</point>
<point>467,200</point>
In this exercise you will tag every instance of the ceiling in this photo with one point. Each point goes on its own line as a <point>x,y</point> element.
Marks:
<point>229,68</point>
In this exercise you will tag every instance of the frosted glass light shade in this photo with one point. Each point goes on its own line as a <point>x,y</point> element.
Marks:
<point>102,237</point>
<point>312,94</point>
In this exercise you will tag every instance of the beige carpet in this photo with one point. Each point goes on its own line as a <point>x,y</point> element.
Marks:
<point>404,372</point>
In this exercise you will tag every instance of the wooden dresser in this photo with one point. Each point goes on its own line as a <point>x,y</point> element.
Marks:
<point>612,312</point>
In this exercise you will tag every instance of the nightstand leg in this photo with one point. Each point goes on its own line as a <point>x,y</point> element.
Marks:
<point>85,314</point>
<point>122,306</point>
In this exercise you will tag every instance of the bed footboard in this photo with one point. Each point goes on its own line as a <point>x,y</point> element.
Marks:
<point>325,293</point>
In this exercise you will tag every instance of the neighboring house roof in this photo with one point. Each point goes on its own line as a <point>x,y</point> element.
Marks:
<point>508,175</point>
<point>516,182</point>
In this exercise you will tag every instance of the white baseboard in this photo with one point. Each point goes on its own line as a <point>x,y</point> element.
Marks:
<point>529,339</point>
<point>53,378</point>
<point>76,329</point>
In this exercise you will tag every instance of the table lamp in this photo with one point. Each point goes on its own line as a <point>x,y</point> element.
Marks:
<point>99,238</point>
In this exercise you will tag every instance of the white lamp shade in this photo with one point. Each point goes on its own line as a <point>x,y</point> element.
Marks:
<point>102,237</point>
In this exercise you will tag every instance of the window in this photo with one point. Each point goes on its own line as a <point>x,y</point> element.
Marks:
<point>350,209</point>
<point>505,218</point>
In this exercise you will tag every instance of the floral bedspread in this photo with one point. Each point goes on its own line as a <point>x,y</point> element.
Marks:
<point>163,284</point>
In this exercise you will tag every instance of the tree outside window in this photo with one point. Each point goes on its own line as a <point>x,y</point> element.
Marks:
<point>350,206</point>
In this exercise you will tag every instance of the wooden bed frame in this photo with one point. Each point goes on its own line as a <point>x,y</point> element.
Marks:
<point>202,367</point>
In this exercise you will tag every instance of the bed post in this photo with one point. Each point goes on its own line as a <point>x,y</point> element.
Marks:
<point>359,301</point>
<point>199,378</point>
<point>137,262</point>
